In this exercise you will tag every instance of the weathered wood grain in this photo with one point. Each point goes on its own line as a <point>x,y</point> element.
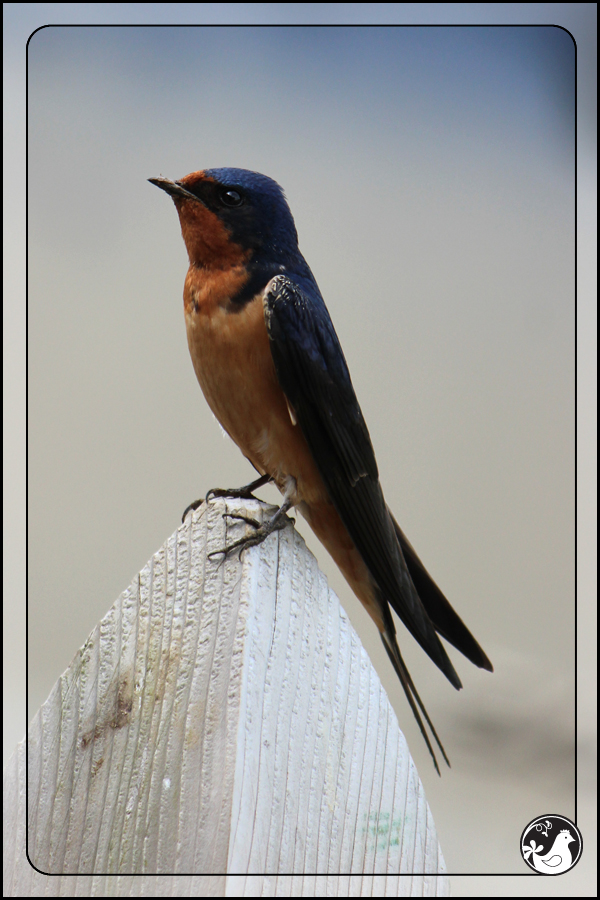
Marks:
<point>221,722</point>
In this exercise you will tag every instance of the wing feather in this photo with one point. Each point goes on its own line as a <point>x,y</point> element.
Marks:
<point>313,374</point>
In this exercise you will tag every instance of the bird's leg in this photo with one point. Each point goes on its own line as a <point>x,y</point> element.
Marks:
<point>278,521</point>
<point>243,493</point>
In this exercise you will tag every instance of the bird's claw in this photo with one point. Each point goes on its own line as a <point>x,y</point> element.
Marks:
<point>193,506</point>
<point>248,519</point>
<point>243,493</point>
<point>275,523</point>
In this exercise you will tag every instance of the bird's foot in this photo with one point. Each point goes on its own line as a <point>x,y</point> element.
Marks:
<point>275,523</point>
<point>278,521</point>
<point>243,493</point>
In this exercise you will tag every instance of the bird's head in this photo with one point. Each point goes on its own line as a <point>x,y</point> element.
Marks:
<point>231,217</point>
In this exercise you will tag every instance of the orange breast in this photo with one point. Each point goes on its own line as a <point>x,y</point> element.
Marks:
<point>232,360</point>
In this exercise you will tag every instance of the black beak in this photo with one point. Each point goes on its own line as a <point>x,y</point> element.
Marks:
<point>173,188</point>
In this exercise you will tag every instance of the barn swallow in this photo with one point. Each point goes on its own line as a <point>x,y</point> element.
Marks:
<point>273,372</point>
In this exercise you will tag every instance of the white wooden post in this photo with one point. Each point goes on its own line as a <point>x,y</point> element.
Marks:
<point>221,733</point>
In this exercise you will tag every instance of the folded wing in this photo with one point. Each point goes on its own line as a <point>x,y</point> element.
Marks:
<point>313,374</point>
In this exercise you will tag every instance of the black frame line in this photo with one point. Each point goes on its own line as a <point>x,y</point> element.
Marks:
<point>339,25</point>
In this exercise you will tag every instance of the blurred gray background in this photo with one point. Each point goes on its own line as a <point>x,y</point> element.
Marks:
<point>430,171</point>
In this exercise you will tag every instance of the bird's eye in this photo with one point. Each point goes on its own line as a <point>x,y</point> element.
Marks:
<point>231,198</point>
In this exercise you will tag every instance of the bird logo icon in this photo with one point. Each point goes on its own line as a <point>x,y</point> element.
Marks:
<point>553,856</point>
